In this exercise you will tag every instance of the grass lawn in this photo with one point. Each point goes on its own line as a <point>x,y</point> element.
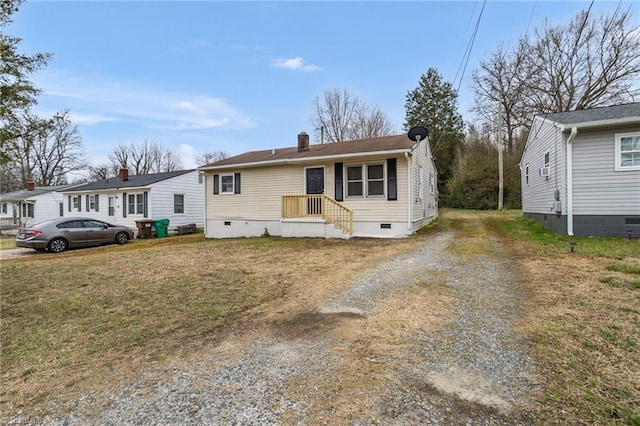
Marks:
<point>583,322</point>
<point>7,242</point>
<point>83,319</point>
<point>75,321</point>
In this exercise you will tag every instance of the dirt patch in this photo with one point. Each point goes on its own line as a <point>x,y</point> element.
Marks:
<point>309,324</point>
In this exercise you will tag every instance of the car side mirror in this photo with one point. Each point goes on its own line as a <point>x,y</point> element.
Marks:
<point>105,226</point>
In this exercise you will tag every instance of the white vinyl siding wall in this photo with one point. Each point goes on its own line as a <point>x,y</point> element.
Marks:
<point>598,189</point>
<point>161,200</point>
<point>538,195</point>
<point>262,188</point>
<point>424,205</point>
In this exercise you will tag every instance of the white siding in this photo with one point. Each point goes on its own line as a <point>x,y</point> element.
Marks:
<point>161,200</point>
<point>424,204</point>
<point>538,194</point>
<point>263,187</point>
<point>598,189</point>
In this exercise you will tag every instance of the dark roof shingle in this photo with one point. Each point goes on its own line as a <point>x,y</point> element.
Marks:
<point>24,194</point>
<point>595,114</point>
<point>360,146</point>
<point>134,181</point>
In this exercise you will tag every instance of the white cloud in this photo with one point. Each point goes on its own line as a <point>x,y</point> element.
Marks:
<point>93,99</point>
<point>188,155</point>
<point>80,118</point>
<point>296,64</point>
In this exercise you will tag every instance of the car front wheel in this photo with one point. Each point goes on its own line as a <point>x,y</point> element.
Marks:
<point>57,245</point>
<point>122,238</point>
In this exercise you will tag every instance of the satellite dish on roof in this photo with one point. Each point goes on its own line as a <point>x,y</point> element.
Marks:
<point>418,133</point>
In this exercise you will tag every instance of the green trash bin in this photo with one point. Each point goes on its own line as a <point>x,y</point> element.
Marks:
<point>162,226</point>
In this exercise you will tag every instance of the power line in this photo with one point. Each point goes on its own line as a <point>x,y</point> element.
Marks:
<point>471,42</point>
<point>531,17</point>
<point>475,5</point>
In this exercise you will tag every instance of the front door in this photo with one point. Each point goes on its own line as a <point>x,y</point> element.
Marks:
<point>315,186</point>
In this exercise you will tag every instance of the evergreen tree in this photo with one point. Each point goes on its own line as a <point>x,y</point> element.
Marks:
<point>17,93</point>
<point>434,105</point>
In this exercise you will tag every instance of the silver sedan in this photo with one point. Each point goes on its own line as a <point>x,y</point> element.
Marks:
<point>60,234</point>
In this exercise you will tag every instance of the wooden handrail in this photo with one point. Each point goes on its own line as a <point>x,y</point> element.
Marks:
<point>318,206</point>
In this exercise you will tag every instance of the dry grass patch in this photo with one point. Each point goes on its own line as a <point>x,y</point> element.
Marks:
<point>585,329</point>
<point>83,320</point>
<point>373,351</point>
<point>7,242</point>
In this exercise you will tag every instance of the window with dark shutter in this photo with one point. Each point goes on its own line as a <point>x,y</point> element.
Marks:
<point>236,185</point>
<point>87,202</point>
<point>97,203</point>
<point>69,202</point>
<point>338,178</point>
<point>124,204</point>
<point>79,203</point>
<point>216,184</point>
<point>392,180</point>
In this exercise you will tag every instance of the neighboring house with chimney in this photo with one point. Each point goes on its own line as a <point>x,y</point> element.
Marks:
<point>124,199</point>
<point>31,205</point>
<point>378,187</point>
<point>581,171</point>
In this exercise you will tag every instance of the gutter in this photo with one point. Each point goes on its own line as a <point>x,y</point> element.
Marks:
<point>574,132</point>
<point>303,159</point>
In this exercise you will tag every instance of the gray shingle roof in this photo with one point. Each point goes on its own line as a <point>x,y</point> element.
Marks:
<point>134,181</point>
<point>595,114</point>
<point>23,194</point>
<point>360,146</point>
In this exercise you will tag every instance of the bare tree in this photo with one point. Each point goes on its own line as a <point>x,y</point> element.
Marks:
<point>102,171</point>
<point>370,122</point>
<point>590,62</point>
<point>143,158</point>
<point>45,152</point>
<point>342,117</point>
<point>211,157</point>
<point>503,79</point>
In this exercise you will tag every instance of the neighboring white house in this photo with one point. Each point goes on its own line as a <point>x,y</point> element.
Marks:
<point>581,171</point>
<point>31,205</point>
<point>378,187</point>
<point>123,200</point>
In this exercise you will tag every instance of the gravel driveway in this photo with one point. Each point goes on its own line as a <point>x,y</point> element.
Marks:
<point>425,338</point>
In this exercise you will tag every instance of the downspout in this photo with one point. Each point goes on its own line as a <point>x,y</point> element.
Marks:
<point>574,132</point>
<point>204,207</point>
<point>409,171</point>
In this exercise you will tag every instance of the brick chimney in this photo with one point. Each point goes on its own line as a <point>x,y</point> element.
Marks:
<point>31,186</point>
<point>124,174</point>
<point>303,142</point>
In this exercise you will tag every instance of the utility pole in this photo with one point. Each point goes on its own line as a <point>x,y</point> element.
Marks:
<point>500,166</point>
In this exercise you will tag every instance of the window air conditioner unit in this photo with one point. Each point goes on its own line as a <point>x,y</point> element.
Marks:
<point>544,171</point>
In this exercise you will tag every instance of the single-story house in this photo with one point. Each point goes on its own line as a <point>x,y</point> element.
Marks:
<point>31,205</point>
<point>378,187</point>
<point>581,171</point>
<point>124,199</point>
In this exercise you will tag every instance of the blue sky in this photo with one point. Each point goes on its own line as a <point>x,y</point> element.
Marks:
<point>241,76</point>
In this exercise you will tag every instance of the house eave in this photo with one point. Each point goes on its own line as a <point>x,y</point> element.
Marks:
<point>114,189</point>
<point>304,159</point>
<point>600,123</point>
